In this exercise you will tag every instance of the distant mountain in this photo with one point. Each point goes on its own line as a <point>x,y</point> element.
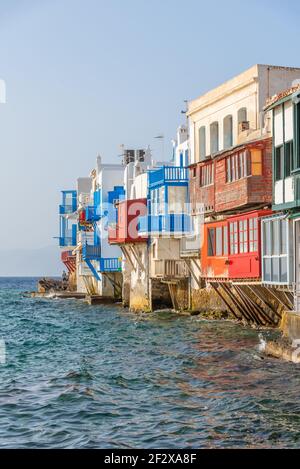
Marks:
<point>31,262</point>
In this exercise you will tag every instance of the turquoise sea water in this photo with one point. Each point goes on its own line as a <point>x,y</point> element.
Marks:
<point>78,376</point>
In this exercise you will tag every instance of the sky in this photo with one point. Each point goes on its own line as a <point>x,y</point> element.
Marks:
<point>84,76</point>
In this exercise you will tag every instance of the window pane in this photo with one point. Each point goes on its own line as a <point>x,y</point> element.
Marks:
<point>225,242</point>
<point>275,238</point>
<point>283,270</point>
<point>231,238</point>
<point>267,270</point>
<point>241,238</point>
<point>228,170</point>
<point>219,247</point>
<point>275,269</point>
<point>256,162</point>
<point>279,154</point>
<point>283,237</point>
<point>211,242</point>
<point>202,143</point>
<point>288,158</point>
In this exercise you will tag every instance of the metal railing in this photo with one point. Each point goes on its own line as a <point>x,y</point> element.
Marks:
<point>170,268</point>
<point>91,253</point>
<point>171,223</point>
<point>110,264</point>
<point>168,174</point>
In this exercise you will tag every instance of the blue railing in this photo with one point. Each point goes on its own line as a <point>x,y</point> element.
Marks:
<point>66,209</point>
<point>168,174</point>
<point>91,253</point>
<point>171,223</point>
<point>111,264</point>
<point>67,241</point>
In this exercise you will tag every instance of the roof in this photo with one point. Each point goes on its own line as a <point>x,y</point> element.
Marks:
<point>281,97</point>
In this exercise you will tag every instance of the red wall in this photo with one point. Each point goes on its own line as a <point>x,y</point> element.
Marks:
<point>200,195</point>
<point>126,228</point>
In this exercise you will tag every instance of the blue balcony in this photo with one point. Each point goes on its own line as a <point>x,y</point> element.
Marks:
<point>91,253</point>
<point>168,175</point>
<point>112,264</point>
<point>69,202</point>
<point>67,241</point>
<point>91,214</point>
<point>165,224</point>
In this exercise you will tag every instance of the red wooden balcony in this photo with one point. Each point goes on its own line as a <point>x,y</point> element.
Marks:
<point>232,247</point>
<point>69,260</point>
<point>243,177</point>
<point>240,178</point>
<point>126,228</point>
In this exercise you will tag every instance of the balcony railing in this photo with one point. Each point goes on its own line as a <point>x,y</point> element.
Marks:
<point>168,174</point>
<point>67,209</point>
<point>67,241</point>
<point>91,253</point>
<point>112,264</point>
<point>170,268</point>
<point>171,223</point>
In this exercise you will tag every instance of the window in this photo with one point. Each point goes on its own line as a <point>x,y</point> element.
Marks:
<point>256,162</point>
<point>243,164</point>
<point>227,132</point>
<point>283,139</point>
<point>214,138</point>
<point>233,232</point>
<point>279,162</point>
<point>253,235</point>
<point>288,158</point>
<point>242,118</point>
<point>194,172</point>
<point>243,236</point>
<point>217,241</point>
<point>206,175</point>
<point>275,251</point>
<point>211,242</point>
<point>225,240</point>
<point>202,143</point>
<point>237,166</point>
<point>228,169</point>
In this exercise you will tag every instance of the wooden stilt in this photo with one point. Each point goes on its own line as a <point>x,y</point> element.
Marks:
<point>215,287</point>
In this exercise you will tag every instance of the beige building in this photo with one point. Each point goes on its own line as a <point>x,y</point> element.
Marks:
<point>233,113</point>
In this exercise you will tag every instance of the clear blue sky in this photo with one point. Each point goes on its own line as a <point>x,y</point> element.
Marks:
<point>84,76</point>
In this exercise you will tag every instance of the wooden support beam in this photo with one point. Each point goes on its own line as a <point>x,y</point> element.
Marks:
<point>197,265</point>
<point>192,273</point>
<point>127,256</point>
<point>236,302</point>
<point>251,307</point>
<point>215,287</point>
<point>172,290</point>
<point>256,291</point>
<point>277,297</point>
<point>138,260</point>
<point>261,314</point>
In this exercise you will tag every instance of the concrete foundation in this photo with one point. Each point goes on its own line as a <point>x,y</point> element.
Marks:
<point>205,300</point>
<point>286,347</point>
